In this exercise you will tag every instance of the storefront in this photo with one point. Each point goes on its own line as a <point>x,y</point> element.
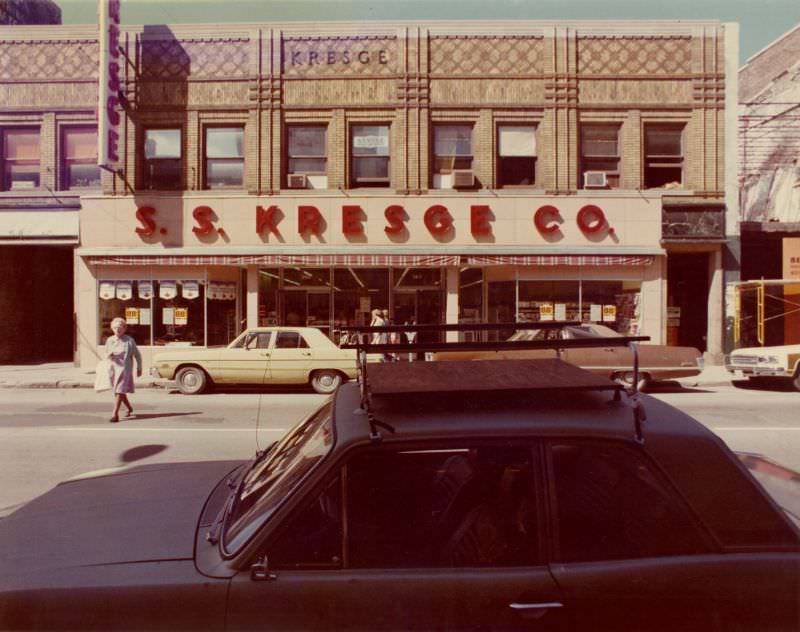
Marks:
<point>194,270</point>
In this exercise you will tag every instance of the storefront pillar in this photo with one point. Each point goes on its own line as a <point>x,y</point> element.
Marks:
<point>451,305</point>
<point>715,335</point>
<point>252,296</point>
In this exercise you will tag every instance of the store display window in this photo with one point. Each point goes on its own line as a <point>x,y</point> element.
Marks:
<point>179,313</point>
<point>130,300</point>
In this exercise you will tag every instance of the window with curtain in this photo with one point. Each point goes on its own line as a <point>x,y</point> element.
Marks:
<point>600,152</point>
<point>224,157</point>
<point>163,164</point>
<point>79,158</point>
<point>663,160</point>
<point>452,149</point>
<point>370,155</point>
<point>516,155</point>
<point>21,166</point>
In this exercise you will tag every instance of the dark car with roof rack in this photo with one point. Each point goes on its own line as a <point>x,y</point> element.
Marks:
<point>512,494</point>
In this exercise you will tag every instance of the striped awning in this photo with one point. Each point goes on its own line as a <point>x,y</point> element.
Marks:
<point>558,260</point>
<point>351,260</point>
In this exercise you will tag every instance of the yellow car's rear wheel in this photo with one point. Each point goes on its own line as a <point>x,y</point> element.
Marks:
<point>325,381</point>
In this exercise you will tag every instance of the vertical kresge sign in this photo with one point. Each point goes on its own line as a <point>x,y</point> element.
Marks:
<point>110,86</point>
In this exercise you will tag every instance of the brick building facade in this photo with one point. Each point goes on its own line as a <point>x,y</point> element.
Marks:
<point>299,173</point>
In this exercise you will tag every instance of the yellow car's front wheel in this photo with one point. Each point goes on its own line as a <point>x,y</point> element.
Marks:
<point>191,380</point>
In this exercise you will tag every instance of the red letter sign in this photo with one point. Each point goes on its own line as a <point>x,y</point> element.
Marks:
<point>308,219</point>
<point>438,219</point>
<point>591,219</point>
<point>351,220</point>
<point>265,218</point>
<point>546,219</point>
<point>479,219</point>
<point>148,225</point>
<point>395,215</point>
<point>204,224</point>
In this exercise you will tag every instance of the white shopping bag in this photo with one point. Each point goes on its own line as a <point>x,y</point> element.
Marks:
<point>102,377</point>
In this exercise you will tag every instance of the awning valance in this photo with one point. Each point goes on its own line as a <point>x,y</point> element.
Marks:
<point>351,260</point>
<point>558,260</point>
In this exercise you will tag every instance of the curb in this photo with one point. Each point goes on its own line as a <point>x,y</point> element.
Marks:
<point>73,384</point>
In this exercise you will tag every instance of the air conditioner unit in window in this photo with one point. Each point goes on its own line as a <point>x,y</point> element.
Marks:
<point>297,181</point>
<point>463,178</point>
<point>594,179</point>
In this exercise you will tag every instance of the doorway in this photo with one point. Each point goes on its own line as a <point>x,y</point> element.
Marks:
<point>425,307</point>
<point>687,299</point>
<point>304,308</point>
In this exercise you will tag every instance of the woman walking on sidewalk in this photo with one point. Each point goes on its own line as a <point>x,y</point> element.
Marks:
<point>121,351</point>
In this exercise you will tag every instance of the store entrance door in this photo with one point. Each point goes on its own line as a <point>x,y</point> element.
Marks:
<point>687,299</point>
<point>302,308</point>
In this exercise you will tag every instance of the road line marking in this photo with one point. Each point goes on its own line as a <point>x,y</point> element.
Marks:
<point>118,429</point>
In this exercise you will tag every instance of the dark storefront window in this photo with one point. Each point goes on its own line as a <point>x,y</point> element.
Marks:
<point>135,308</point>
<point>162,159</point>
<point>516,155</point>
<point>663,160</point>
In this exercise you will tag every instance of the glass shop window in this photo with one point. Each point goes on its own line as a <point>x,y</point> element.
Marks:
<point>21,168</point>
<point>131,300</point>
<point>516,155</point>
<point>224,157</point>
<point>663,160</point>
<point>221,313</point>
<point>370,155</point>
<point>79,168</point>
<point>268,296</point>
<point>452,153</point>
<point>179,317</point>
<point>163,159</point>
<point>615,304</point>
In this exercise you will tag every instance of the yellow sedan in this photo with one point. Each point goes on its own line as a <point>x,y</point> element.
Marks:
<point>262,355</point>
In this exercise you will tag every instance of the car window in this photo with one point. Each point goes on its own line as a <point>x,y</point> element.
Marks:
<point>610,505</point>
<point>290,340</point>
<point>269,482</point>
<point>472,506</point>
<point>259,341</point>
<point>313,538</point>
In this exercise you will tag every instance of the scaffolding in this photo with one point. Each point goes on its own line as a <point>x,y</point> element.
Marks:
<point>764,309</point>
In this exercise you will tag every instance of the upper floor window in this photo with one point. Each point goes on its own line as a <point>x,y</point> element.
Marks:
<point>663,156</point>
<point>224,157</point>
<point>370,155</point>
<point>307,157</point>
<point>452,156</point>
<point>516,155</point>
<point>599,156</point>
<point>20,159</point>
<point>163,164</point>
<point>79,158</point>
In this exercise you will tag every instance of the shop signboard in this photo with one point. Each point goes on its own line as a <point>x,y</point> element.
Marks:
<point>124,290</point>
<point>107,290</point>
<point>108,106</point>
<point>561,311</point>
<point>132,315</point>
<point>609,313</point>
<point>190,289</point>
<point>791,258</point>
<point>144,316</point>
<point>181,315</point>
<point>145,289</point>
<point>546,311</point>
<point>167,289</point>
<point>595,312</point>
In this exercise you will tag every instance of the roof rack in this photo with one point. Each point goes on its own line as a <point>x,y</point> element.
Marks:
<point>497,375</point>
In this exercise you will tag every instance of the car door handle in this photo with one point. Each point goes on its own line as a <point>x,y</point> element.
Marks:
<point>535,606</point>
<point>265,354</point>
<point>306,353</point>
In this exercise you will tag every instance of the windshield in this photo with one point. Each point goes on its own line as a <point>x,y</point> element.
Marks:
<point>269,482</point>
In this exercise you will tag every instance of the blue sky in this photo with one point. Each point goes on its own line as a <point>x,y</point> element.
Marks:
<point>761,21</point>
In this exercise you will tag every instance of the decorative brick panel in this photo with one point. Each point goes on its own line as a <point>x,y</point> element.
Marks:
<point>49,59</point>
<point>181,59</point>
<point>620,55</point>
<point>487,55</point>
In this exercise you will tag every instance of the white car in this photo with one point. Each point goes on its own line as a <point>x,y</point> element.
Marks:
<point>262,355</point>
<point>760,362</point>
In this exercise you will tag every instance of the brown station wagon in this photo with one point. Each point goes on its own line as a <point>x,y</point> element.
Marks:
<point>516,494</point>
<point>656,362</point>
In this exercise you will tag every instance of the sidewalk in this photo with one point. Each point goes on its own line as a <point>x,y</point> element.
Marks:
<point>66,375</point>
<point>55,375</point>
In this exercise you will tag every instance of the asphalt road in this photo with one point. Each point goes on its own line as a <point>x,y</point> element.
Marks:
<point>50,435</point>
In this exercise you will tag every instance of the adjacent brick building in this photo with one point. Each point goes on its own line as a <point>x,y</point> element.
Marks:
<point>307,173</point>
